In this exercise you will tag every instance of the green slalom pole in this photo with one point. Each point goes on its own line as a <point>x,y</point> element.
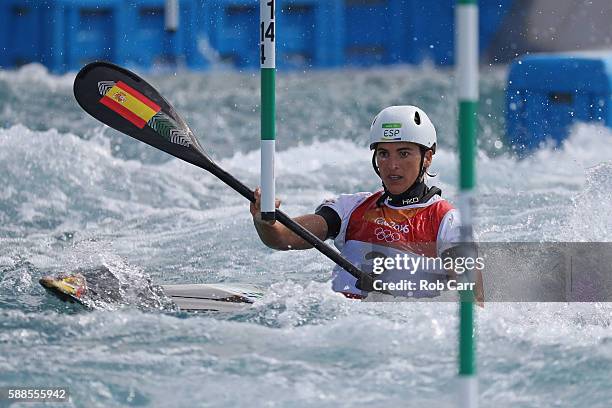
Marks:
<point>267,30</point>
<point>466,42</point>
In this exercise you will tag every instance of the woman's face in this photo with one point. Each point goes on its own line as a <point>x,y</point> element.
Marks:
<point>398,163</point>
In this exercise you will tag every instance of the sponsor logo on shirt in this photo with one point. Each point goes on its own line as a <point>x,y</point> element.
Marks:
<point>403,228</point>
<point>412,200</point>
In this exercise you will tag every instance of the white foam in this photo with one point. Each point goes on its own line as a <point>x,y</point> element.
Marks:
<point>37,74</point>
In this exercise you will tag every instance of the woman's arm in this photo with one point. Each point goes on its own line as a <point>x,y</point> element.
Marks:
<point>276,236</point>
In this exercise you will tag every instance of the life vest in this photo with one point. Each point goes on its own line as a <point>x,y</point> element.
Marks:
<point>415,231</point>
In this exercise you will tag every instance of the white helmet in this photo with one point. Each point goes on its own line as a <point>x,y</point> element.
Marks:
<point>403,124</point>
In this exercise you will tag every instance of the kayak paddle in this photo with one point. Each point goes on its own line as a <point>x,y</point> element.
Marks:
<point>122,100</point>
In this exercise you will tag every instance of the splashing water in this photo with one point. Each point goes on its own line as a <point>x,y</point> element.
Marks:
<point>77,195</point>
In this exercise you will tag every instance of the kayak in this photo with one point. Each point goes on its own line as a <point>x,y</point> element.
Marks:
<point>218,297</point>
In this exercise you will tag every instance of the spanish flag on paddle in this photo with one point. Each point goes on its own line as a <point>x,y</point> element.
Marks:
<point>130,104</point>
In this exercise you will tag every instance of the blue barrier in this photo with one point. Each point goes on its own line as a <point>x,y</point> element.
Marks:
<point>435,28</point>
<point>146,41</point>
<point>233,28</point>
<point>376,32</point>
<point>305,34</point>
<point>64,34</point>
<point>547,93</point>
<point>21,34</point>
<point>491,15</point>
<point>409,31</point>
<point>436,33</point>
<point>81,31</point>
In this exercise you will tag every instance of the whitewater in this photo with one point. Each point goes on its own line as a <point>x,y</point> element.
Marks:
<point>75,194</point>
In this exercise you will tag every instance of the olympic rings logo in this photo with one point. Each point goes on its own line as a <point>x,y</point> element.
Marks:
<point>386,235</point>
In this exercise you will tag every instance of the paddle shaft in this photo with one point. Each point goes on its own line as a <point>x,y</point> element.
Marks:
<point>288,222</point>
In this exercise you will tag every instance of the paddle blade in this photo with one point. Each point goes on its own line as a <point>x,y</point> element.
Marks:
<point>122,100</point>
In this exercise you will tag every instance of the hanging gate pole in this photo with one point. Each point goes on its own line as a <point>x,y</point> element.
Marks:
<point>466,40</point>
<point>267,30</point>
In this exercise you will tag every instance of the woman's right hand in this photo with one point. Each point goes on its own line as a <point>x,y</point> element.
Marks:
<point>256,208</point>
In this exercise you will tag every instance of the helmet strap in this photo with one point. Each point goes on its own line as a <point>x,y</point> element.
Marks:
<point>422,171</point>
<point>374,163</point>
